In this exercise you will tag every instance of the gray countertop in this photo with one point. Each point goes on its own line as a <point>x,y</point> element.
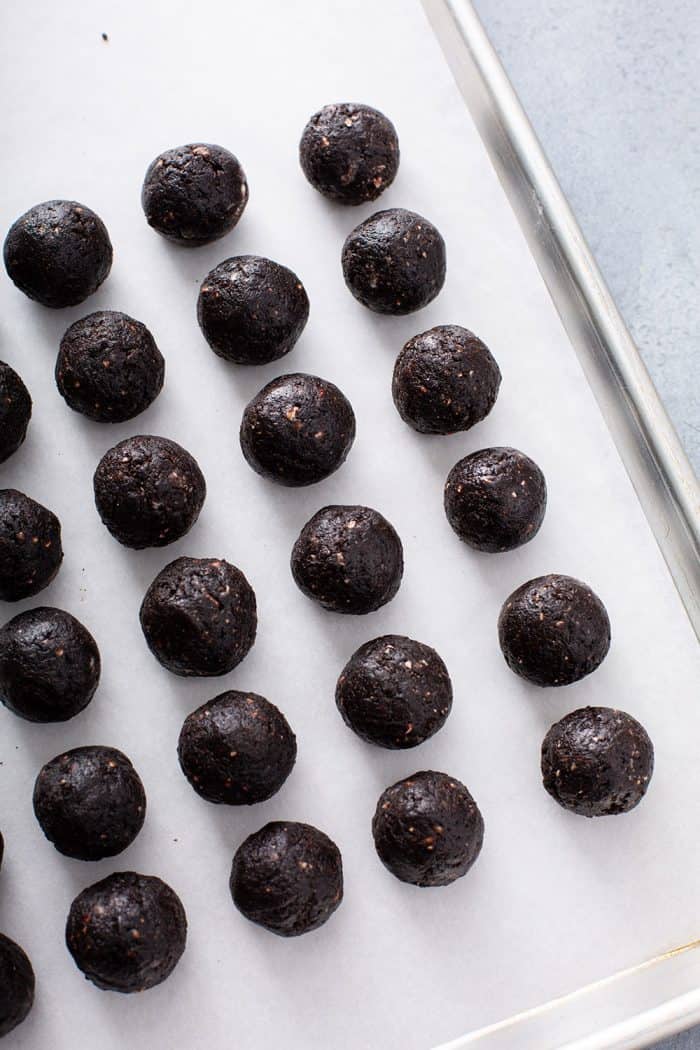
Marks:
<point>613,90</point>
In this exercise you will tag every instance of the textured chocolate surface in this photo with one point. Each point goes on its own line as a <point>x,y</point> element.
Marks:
<point>148,491</point>
<point>445,380</point>
<point>298,430</point>
<point>30,546</point>
<point>394,692</point>
<point>597,761</point>
<point>16,985</point>
<point>349,152</point>
<point>428,829</point>
<point>287,877</point>
<point>394,262</point>
<point>49,665</point>
<point>238,749</point>
<point>58,253</point>
<point>15,411</point>
<point>554,630</point>
<point>194,194</point>
<point>252,310</point>
<point>108,367</point>
<point>90,802</point>
<point>349,559</point>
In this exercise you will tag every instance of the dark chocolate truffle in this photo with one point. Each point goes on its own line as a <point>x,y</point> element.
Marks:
<point>394,692</point>
<point>30,546</point>
<point>199,616</point>
<point>428,829</point>
<point>349,152</point>
<point>49,665</point>
<point>15,411</point>
<point>597,762</point>
<point>495,499</point>
<point>109,367</point>
<point>194,194</point>
<point>126,932</point>
<point>297,430</point>
<point>348,559</point>
<point>252,310</point>
<point>2,849</point>
<point>237,748</point>
<point>554,630</point>
<point>90,802</point>
<point>16,985</point>
<point>287,877</point>
<point>445,380</point>
<point>148,491</point>
<point>58,253</point>
<point>394,262</point>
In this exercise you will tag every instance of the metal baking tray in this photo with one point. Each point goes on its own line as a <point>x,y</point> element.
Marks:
<point>588,918</point>
<point>658,997</point>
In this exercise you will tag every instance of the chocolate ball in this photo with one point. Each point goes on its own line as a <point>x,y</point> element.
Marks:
<point>30,546</point>
<point>15,411</point>
<point>16,985</point>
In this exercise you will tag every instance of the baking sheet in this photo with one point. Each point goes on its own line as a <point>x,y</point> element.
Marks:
<point>554,901</point>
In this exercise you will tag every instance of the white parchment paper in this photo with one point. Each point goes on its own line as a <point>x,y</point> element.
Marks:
<point>555,900</point>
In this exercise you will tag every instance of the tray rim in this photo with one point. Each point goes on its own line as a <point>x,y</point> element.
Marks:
<point>644,436</point>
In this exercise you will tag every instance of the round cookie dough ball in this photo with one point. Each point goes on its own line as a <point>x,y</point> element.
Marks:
<point>15,411</point>
<point>148,491</point>
<point>252,310</point>
<point>109,367</point>
<point>199,616</point>
<point>287,877</point>
<point>349,559</point>
<point>16,985</point>
<point>194,194</point>
<point>495,499</point>
<point>445,380</point>
<point>58,253</point>
<point>428,829</point>
<point>126,932</point>
<point>394,692</point>
<point>349,152</point>
<point>49,665</point>
<point>394,262</point>
<point>90,802</point>
<point>30,546</point>
<point>238,749</point>
<point>298,430</point>
<point>553,630</point>
<point>597,762</point>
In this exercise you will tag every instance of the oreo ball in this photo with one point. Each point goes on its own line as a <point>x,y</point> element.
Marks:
<point>428,829</point>
<point>252,310</point>
<point>394,692</point>
<point>16,985</point>
<point>597,762</point>
<point>349,559</point>
<point>495,499</point>
<point>287,877</point>
<point>349,152</point>
<point>298,430</point>
<point>445,380</point>
<point>148,491</point>
<point>90,802</point>
<point>58,253</point>
<point>15,411</point>
<point>30,546</point>
<point>238,749</point>
<point>199,616</point>
<point>194,194</point>
<point>394,262</point>
<point>49,665</point>
<point>108,367</point>
<point>554,630</point>
<point>127,932</point>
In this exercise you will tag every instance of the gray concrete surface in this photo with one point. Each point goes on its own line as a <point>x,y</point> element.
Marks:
<point>613,90</point>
